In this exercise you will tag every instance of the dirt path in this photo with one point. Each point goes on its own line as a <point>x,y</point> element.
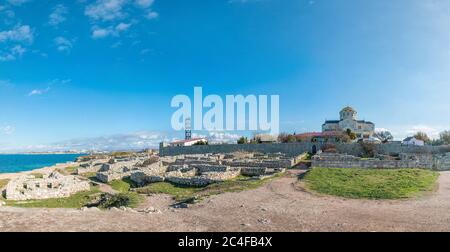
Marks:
<point>278,206</point>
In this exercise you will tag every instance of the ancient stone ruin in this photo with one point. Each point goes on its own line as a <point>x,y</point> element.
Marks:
<point>403,160</point>
<point>193,170</point>
<point>53,185</point>
<point>204,169</point>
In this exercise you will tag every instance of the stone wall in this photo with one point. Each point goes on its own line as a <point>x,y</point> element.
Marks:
<point>282,163</point>
<point>291,149</point>
<point>204,179</point>
<point>442,162</point>
<point>253,171</point>
<point>295,149</point>
<point>439,162</point>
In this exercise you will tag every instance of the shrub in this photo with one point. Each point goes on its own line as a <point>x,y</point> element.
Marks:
<point>107,200</point>
<point>369,149</point>
<point>242,140</point>
<point>201,143</point>
<point>286,138</point>
<point>329,148</point>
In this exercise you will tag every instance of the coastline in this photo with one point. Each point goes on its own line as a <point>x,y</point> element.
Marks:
<point>46,169</point>
<point>45,153</point>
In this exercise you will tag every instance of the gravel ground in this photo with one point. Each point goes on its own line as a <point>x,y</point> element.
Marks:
<point>277,206</point>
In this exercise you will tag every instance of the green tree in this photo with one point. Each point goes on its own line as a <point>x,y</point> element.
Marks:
<point>351,134</point>
<point>201,143</point>
<point>242,140</point>
<point>422,136</point>
<point>445,137</point>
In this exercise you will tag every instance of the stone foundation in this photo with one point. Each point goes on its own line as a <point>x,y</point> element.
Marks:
<point>53,185</point>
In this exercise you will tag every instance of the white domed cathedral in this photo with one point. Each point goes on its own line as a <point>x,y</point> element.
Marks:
<point>348,121</point>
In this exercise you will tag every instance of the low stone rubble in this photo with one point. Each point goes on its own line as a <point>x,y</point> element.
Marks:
<point>53,185</point>
<point>204,169</point>
<point>194,170</point>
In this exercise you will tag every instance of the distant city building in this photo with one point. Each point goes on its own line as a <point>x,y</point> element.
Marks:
<point>189,142</point>
<point>413,141</point>
<point>265,138</point>
<point>320,137</point>
<point>348,121</point>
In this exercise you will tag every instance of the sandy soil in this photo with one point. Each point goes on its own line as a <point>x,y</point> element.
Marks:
<point>277,206</point>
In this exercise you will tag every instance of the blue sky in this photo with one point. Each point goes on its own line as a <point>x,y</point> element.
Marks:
<point>76,73</point>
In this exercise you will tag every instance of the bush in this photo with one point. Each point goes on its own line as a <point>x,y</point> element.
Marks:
<point>201,143</point>
<point>242,140</point>
<point>369,149</point>
<point>286,138</point>
<point>114,200</point>
<point>329,148</point>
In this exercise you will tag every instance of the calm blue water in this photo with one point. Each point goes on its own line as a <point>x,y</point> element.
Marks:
<point>24,162</point>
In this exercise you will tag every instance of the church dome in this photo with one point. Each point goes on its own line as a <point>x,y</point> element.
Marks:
<point>348,109</point>
<point>348,113</point>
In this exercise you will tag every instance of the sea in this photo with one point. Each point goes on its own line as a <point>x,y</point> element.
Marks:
<point>10,163</point>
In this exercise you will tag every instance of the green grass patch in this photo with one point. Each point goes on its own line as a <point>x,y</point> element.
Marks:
<point>3,183</point>
<point>77,200</point>
<point>71,170</point>
<point>122,185</point>
<point>180,193</point>
<point>308,156</point>
<point>37,175</point>
<point>134,199</point>
<point>371,183</point>
<point>89,175</point>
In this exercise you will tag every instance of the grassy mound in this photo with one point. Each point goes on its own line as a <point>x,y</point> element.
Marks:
<point>371,183</point>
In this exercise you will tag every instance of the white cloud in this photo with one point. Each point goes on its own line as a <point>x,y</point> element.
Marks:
<point>38,91</point>
<point>107,16</point>
<point>101,33</point>
<point>63,44</point>
<point>58,15</point>
<point>381,129</point>
<point>20,33</point>
<point>152,15</point>
<point>5,83</point>
<point>400,132</point>
<point>145,51</point>
<point>122,27</point>
<point>130,141</point>
<point>15,52</point>
<point>431,131</point>
<point>144,3</point>
<point>7,130</point>
<point>49,85</point>
<point>18,2</point>
<point>106,10</point>
<point>215,137</point>
<point>243,1</point>
<point>14,41</point>
<point>98,32</point>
